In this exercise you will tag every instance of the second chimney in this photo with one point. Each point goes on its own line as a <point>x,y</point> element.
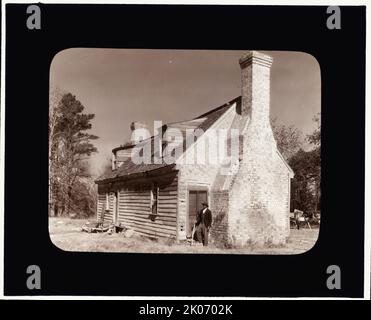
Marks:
<point>139,131</point>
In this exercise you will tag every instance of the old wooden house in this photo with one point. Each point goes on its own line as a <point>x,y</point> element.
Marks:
<point>248,195</point>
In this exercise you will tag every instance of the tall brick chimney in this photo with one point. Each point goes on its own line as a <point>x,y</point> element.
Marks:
<point>255,92</point>
<point>256,198</point>
<point>255,85</point>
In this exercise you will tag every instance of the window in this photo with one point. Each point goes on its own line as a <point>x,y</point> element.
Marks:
<point>107,201</point>
<point>154,201</point>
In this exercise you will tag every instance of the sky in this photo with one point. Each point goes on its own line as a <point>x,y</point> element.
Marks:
<point>124,85</point>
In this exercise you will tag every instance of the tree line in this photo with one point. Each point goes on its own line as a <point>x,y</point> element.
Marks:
<point>306,164</point>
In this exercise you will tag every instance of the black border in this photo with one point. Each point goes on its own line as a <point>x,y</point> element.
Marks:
<point>341,55</point>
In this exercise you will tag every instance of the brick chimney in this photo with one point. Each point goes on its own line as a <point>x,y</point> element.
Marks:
<point>256,198</point>
<point>255,85</point>
<point>255,92</point>
<point>139,131</point>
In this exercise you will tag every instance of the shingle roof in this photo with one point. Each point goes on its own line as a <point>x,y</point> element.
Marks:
<point>129,169</point>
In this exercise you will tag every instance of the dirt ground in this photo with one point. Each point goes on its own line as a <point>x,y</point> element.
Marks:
<point>66,234</point>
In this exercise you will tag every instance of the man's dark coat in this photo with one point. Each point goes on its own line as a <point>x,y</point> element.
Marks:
<point>205,218</point>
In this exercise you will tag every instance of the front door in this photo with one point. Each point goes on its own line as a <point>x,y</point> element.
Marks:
<point>195,198</point>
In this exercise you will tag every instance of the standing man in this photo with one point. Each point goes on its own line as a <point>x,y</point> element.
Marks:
<point>203,224</point>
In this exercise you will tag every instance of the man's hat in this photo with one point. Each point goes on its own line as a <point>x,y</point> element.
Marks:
<point>204,204</point>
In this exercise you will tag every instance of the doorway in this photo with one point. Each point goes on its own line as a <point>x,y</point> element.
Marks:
<point>195,198</point>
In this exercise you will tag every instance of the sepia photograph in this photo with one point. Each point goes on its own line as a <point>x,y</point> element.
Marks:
<point>143,144</point>
<point>184,151</point>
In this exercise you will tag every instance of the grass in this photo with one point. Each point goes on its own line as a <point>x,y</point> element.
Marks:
<point>66,234</point>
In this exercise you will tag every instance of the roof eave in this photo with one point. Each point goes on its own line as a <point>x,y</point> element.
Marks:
<point>136,175</point>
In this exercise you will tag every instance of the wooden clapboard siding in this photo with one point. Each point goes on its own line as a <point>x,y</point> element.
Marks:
<point>134,210</point>
<point>161,220</point>
<point>133,204</point>
<point>168,193</point>
<point>167,205</point>
<point>142,222</point>
<point>101,205</point>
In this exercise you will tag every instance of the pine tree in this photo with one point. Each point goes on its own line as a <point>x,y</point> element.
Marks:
<point>70,148</point>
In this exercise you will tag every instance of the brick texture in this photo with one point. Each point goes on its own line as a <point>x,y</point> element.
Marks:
<point>259,195</point>
<point>251,207</point>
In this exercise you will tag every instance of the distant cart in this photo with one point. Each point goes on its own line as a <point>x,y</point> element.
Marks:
<point>297,219</point>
